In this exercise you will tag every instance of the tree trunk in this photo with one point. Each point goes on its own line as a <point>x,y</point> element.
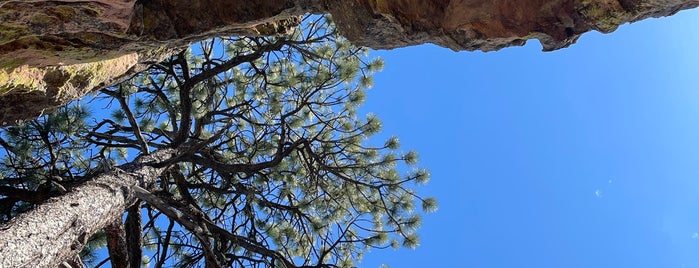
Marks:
<point>134,228</point>
<point>116,244</point>
<point>57,230</point>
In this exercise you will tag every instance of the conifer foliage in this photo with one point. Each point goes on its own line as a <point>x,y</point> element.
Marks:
<point>262,158</point>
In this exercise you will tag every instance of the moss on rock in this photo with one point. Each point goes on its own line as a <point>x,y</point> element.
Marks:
<point>606,15</point>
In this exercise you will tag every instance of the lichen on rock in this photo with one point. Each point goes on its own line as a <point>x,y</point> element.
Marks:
<point>49,87</point>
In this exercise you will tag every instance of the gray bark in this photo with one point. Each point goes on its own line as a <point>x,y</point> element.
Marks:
<point>57,230</point>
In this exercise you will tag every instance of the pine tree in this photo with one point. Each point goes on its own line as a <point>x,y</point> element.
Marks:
<point>237,152</point>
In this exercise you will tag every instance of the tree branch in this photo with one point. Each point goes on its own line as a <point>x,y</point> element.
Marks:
<point>132,120</point>
<point>199,231</point>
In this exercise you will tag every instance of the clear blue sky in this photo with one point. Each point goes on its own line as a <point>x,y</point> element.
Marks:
<point>582,157</point>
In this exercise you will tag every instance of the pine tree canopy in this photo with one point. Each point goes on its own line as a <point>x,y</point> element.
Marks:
<point>266,160</point>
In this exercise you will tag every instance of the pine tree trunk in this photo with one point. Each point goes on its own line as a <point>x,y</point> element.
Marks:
<point>116,244</point>
<point>134,228</point>
<point>57,230</point>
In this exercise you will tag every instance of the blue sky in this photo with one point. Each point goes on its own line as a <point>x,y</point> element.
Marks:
<point>582,157</point>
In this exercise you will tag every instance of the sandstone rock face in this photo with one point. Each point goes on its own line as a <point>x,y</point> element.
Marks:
<point>489,24</point>
<point>54,51</point>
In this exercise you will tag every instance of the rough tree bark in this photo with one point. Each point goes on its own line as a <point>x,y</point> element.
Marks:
<point>116,243</point>
<point>56,231</point>
<point>133,235</point>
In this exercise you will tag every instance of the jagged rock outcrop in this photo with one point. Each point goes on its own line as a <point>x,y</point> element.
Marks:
<point>54,51</point>
<point>489,24</point>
